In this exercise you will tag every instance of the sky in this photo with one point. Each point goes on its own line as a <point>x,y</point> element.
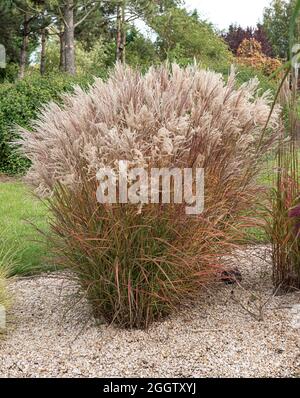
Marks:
<point>224,12</point>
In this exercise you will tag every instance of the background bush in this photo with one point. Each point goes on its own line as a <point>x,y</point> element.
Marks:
<point>246,73</point>
<point>20,103</point>
<point>92,62</point>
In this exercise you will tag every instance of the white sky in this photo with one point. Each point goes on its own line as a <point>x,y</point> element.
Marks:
<point>224,12</point>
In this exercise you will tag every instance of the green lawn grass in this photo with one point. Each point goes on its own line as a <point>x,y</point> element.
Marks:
<point>18,209</point>
<point>266,178</point>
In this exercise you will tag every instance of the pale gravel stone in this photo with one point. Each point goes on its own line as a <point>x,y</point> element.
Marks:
<point>215,338</point>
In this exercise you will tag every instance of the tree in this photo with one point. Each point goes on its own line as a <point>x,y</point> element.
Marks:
<point>250,53</point>
<point>183,37</point>
<point>276,23</point>
<point>44,21</point>
<point>28,11</point>
<point>140,51</point>
<point>32,20</point>
<point>128,11</point>
<point>69,15</point>
<point>43,51</point>
<point>69,36</point>
<point>236,34</point>
<point>99,24</point>
<point>10,31</point>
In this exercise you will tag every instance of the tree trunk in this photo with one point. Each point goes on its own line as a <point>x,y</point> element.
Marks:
<point>121,31</point>
<point>43,51</point>
<point>24,47</point>
<point>62,56</point>
<point>119,34</point>
<point>69,38</point>
<point>124,32</point>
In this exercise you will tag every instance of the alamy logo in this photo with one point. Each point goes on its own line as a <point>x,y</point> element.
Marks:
<point>2,56</point>
<point>153,185</point>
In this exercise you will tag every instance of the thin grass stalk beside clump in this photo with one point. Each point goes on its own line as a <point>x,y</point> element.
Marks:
<point>283,224</point>
<point>4,297</point>
<point>283,217</point>
<point>6,265</point>
<point>137,264</point>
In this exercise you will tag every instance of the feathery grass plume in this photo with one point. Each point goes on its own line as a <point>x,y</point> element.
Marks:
<point>137,266</point>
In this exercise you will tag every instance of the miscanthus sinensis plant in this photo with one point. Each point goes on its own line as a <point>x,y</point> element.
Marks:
<point>136,265</point>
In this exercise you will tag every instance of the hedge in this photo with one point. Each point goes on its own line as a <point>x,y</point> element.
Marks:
<point>19,104</point>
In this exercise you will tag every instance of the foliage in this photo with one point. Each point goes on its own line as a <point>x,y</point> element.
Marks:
<point>277,22</point>
<point>136,264</point>
<point>9,33</point>
<point>12,14</point>
<point>246,73</point>
<point>250,53</point>
<point>236,34</point>
<point>19,103</point>
<point>9,74</point>
<point>182,38</point>
<point>93,61</point>
<point>140,51</point>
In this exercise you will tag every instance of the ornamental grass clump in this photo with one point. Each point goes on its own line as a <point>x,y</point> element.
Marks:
<point>136,263</point>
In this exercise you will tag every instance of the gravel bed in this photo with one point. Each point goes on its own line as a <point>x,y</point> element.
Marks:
<point>233,331</point>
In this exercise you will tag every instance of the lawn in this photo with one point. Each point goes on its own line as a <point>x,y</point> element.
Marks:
<point>18,210</point>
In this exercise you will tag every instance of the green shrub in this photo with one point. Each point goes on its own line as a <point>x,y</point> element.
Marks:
<point>20,103</point>
<point>92,62</point>
<point>184,37</point>
<point>245,73</point>
<point>265,83</point>
<point>10,73</point>
<point>140,51</point>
